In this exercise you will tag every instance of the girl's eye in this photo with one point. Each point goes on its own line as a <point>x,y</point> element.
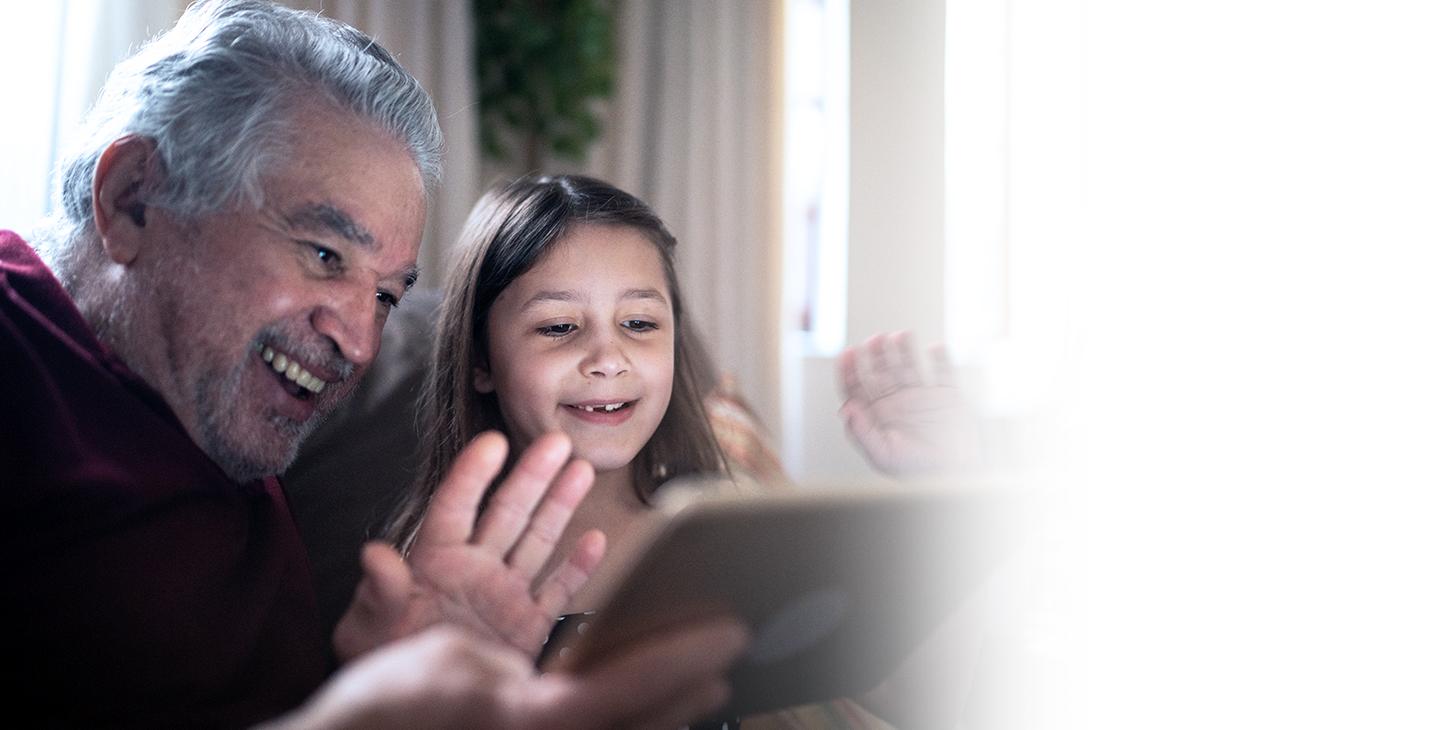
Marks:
<point>557,330</point>
<point>639,325</point>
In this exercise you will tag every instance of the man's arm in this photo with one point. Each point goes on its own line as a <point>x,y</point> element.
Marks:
<point>445,677</point>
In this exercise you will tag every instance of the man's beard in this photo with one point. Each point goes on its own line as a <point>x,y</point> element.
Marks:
<point>246,445</point>
<point>219,424</point>
<point>223,429</point>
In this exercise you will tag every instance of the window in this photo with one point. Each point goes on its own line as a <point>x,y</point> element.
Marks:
<point>56,62</point>
<point>816,176</point>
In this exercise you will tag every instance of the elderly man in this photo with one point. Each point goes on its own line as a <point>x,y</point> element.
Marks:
<point>244,214</point>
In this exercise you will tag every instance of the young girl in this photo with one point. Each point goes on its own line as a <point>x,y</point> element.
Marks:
<point>566,298</point>
<point>564,313</point>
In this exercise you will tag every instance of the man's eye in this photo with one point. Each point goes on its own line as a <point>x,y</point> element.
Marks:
<point>326,256</point>
<point>639,325</point>
<point>557,330</point>
<point>387,300</point>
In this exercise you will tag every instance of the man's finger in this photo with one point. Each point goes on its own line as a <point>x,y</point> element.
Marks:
<point>450,517</point>
<point>538,542</point>
<point>627,689</point>
<point>687,706</point>
<point>389,578</point>
<point>507,514</point>
<point>557,589</point>
<point>377,611</point>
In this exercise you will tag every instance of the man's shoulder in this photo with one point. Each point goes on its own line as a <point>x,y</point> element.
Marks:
<point>32,297</point>
<point>20,262</point>
<point>77,430</point>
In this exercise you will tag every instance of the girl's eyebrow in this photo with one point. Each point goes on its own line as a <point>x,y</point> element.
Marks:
<point>644,294</point>
<point>567,295</point>
<point>549,296</point>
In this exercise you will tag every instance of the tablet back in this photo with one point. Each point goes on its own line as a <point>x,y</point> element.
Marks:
<point>837,587</point>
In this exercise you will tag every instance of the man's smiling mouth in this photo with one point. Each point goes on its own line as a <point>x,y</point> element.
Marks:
<point>292,370</point>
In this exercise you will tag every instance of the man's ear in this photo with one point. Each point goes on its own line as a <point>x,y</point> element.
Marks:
<point>483,382</point>
<point>127,167</point>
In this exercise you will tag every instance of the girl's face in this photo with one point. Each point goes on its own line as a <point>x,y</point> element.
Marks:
<point>584,343</point>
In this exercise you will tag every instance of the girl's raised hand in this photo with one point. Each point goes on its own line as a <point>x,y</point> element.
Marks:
<point>903,421</point>
<point>481,576</point>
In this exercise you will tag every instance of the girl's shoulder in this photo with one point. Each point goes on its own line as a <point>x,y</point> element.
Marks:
<point>743,442</point>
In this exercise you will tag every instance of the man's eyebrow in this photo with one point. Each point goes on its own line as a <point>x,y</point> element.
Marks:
<point>326,218</point>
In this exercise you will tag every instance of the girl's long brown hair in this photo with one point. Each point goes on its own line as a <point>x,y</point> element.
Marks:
<point>507,233</point>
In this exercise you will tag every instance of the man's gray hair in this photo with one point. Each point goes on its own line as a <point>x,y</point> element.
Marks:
<point>216,94</point>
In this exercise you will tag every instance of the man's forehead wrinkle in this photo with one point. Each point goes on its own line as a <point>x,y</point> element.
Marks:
<point>325,217</point>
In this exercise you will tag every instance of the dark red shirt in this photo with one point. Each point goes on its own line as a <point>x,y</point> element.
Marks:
<point>141,585</point>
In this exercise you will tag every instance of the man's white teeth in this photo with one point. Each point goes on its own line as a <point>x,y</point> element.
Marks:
<point>607,408</point>
<point>292,370</point>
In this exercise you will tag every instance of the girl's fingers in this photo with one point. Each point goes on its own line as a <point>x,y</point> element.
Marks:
<point>567,580</point>
<point>538,541</point>
<point>868,356</point>
<point>848,367</point>
<point>450,517</point>
<point>508,513</point>
<point>942,366</point>
<point>904,369</point>
<point>890,366</point>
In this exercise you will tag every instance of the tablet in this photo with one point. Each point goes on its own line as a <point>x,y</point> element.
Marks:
<point>837,587</point>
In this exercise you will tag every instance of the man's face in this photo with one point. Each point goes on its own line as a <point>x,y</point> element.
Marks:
<point>302,286</point>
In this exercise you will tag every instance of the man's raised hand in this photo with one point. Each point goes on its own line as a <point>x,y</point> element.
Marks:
<point>482,576</point>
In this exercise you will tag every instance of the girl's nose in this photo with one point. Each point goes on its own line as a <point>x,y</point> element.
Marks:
<point>605,359</point>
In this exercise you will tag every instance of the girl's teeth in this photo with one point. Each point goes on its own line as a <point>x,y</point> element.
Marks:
<point>608,408</point>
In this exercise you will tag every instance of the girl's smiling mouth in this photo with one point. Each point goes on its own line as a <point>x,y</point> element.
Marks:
<point>607,408</point>
<point>605,412</point>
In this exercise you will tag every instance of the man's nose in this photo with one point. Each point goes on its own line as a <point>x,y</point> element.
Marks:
<point>349,319</point>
